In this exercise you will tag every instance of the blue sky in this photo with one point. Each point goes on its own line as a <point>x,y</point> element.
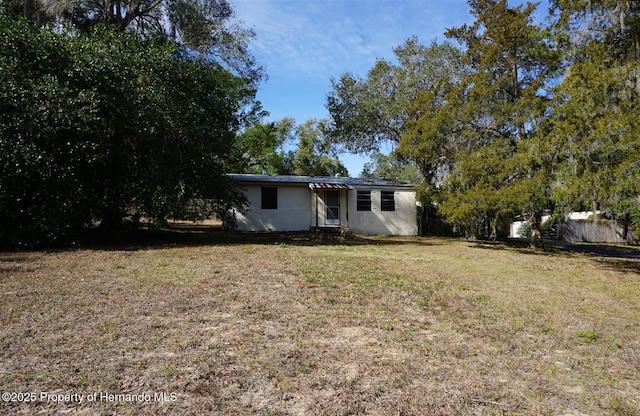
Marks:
<point>304,43</point>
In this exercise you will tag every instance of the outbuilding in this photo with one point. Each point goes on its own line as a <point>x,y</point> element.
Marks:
<point>301,203</point>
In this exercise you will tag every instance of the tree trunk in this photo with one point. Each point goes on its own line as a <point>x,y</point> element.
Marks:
<point>535,221</point>
<point>111,222</point>
<point>427,216</point>
<point>626,222</point>
<point>494,231</point>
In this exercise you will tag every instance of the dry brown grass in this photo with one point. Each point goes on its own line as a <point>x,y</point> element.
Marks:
<point>374,326</point>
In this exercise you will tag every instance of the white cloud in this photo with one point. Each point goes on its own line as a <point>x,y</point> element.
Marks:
<point>326,38</point>
<point>305,42</point>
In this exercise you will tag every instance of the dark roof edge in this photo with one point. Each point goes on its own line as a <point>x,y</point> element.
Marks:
<point>306,180</point>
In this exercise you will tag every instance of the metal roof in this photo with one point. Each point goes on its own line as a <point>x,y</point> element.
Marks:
<point>322,182</point>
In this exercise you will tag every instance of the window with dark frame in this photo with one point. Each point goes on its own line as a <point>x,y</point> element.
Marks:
<point>269,198</point>
<point>387,201</point>
<point>363,201</point>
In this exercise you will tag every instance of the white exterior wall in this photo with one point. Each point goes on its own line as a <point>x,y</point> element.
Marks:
<point>297,211</point>
<point>515,227</point>
<point>293,213</point>
<point>402,221</point>
<point>514,231</point>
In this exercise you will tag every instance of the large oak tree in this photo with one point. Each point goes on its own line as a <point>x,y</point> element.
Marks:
<point>205,28</point>
<point>405,104</point>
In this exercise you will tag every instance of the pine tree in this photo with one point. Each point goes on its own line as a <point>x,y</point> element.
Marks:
<point>500,105</point>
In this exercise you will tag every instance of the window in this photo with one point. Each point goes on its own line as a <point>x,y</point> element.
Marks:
<point>269,198</point>
<point>363,201</point>
<point>387,201</point>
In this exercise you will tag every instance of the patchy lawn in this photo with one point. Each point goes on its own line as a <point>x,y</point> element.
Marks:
<point>270,325</point>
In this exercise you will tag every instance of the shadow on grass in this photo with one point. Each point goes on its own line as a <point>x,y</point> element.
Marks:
<point>624,259</point>
<point>620,264</point>
<point>517,246</point>
<point>15,262</point>
<point>190,235</point>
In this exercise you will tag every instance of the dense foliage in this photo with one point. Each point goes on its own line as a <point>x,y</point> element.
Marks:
<point>522,117</point>
<point>504,97</point>
<point>203,27</point>
<point>121,109</point>
<point>282,148</point>
<point>261,149</point>
<point>596,120</point>
<point>392,166</point>
<point>105,125</point>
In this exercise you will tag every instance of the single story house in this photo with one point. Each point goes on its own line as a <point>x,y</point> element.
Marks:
<point>303,203</point>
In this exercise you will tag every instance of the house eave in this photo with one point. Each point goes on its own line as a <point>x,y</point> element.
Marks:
<point>323,182</point>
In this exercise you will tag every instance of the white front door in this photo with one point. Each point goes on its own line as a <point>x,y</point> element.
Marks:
<point>332,204</point>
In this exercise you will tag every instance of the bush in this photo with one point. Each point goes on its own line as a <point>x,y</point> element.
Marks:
<point>96,126</point>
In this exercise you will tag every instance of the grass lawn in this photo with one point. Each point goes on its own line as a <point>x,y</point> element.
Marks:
<point>280,325</point>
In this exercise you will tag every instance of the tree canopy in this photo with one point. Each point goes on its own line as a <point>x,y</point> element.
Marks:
<point>595,121</point>
<point>282,148</point>
<point>404,104</point>
<point>503,99</point>
<point>522,117</point>
<point>367,112</point>
<point>391,166</point>
<point>104,126</point>
<point>204,28</point>
<point>316,155</point>
<point>261,148</point>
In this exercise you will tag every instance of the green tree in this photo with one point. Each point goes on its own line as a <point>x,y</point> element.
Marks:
<point>596,120</point>
<point>261,149</point>
<point>316,154</point>
<point>205,28</point>
<point>101,126</point>
<point>404,104</point>
<point>40,198</point>
<point>282,148</point>
<point>393,167</point>
<point>504,98</point>
<point>368,112</point>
